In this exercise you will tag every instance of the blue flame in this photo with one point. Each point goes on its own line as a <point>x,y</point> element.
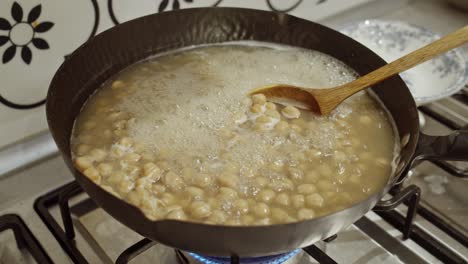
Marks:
<point>275,259</point>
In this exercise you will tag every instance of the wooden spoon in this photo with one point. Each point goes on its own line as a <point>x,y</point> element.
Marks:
<point>323,101</point>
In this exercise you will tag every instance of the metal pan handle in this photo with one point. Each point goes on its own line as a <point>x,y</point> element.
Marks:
<point>451,147</point>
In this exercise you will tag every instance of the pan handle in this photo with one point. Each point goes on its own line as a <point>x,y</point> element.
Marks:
<point>450,147</point>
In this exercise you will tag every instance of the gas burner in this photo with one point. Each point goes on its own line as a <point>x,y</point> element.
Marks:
<point>285,258</point>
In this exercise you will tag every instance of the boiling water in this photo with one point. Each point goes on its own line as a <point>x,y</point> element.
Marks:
<point>178,136</point>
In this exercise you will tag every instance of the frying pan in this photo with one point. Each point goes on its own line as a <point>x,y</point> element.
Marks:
<point>113,50</point>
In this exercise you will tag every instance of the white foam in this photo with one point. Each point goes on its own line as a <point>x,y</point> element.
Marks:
<point>184,99</point>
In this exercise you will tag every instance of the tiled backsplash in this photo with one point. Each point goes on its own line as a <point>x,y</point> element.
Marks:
<point>35,37</point>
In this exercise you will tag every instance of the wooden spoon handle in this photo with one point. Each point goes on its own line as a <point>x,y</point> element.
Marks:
<point>450,41</point>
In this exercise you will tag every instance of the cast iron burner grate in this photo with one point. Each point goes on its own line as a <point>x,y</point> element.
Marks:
<point>24,238</point>
<point>65,236</point>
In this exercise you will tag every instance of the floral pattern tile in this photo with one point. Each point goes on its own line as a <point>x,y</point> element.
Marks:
<point>23,32</point>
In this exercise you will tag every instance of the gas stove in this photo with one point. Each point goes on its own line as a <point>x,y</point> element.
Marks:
<point>65,225</point>
<point>45,217</point>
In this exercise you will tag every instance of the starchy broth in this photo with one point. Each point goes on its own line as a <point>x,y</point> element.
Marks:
<point>178,137</point>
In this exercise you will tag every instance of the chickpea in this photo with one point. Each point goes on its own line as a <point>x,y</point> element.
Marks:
<point>227,193</point>
<point>296,128</point>
<point>138,147</point>
<point>261,127</point>
<point>134,198</point>
<point>270,106</point>
<point>82,149</point>
<point>144,182</point>
<point>202,180</point>
<point>241,205</point>
<point>116,152</point>
<point>298,156</point>
<point>311,177</point>
<point>325,171</point>
<point>89,125</point>
<point>281,185</point>
<point>126,142</point>
<point>116,177</point>
<point>121,124</point>
<point>105,169</point>
<point>82,163</point>
<point>314,200</point>
<point>266,195</point>
<point>261,210</point>
<point>282,199</point>
<point>226,133</point>
<point>132,157</point>
<point>261,181</point>
<point>194,192</point>
<point>305,213</point>
<point>339,156</point>
<point>247,219</point>
<point>259,99</point>
<point>164,165</point>
<point>117,84</point>
<point>173,181</point>
<point>149,203</point>
<point>115,116</point>
<point>273,114</point>
<point>158,188</point>
<point>168,199</point>
<point>263,221</point>
<point>298,200</point>
<point>325,185</point>
<point>230,167</point>
<point>282,127</point>
<point>233,222</point>
<point>256,109</point>
<point>126,186</point>
<point>295,174</point>
<point>306,188</point>
<point>84,138</point>
<point>263,120</point>
<point>187,174</point>
<point>93,174</point>
<point>177,214</point>
<point>240,118</point>
<point>365,119</point>
<point>277,166</point>
<point>131,170</point>
<point>120,133</point>
<point>279,215</point>
<point>218,217</point>
<point>151,170</point>
<point>290,112</point>
<point>200,209</point>
<point>147,156</point>
<point>228,180</point>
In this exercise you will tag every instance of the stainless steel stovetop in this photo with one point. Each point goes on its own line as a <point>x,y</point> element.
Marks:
<point>30,196</point>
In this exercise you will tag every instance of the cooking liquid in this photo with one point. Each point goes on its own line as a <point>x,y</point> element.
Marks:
<point>178,137</point>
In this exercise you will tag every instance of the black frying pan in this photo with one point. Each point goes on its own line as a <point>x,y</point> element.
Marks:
<point>108,53</point>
